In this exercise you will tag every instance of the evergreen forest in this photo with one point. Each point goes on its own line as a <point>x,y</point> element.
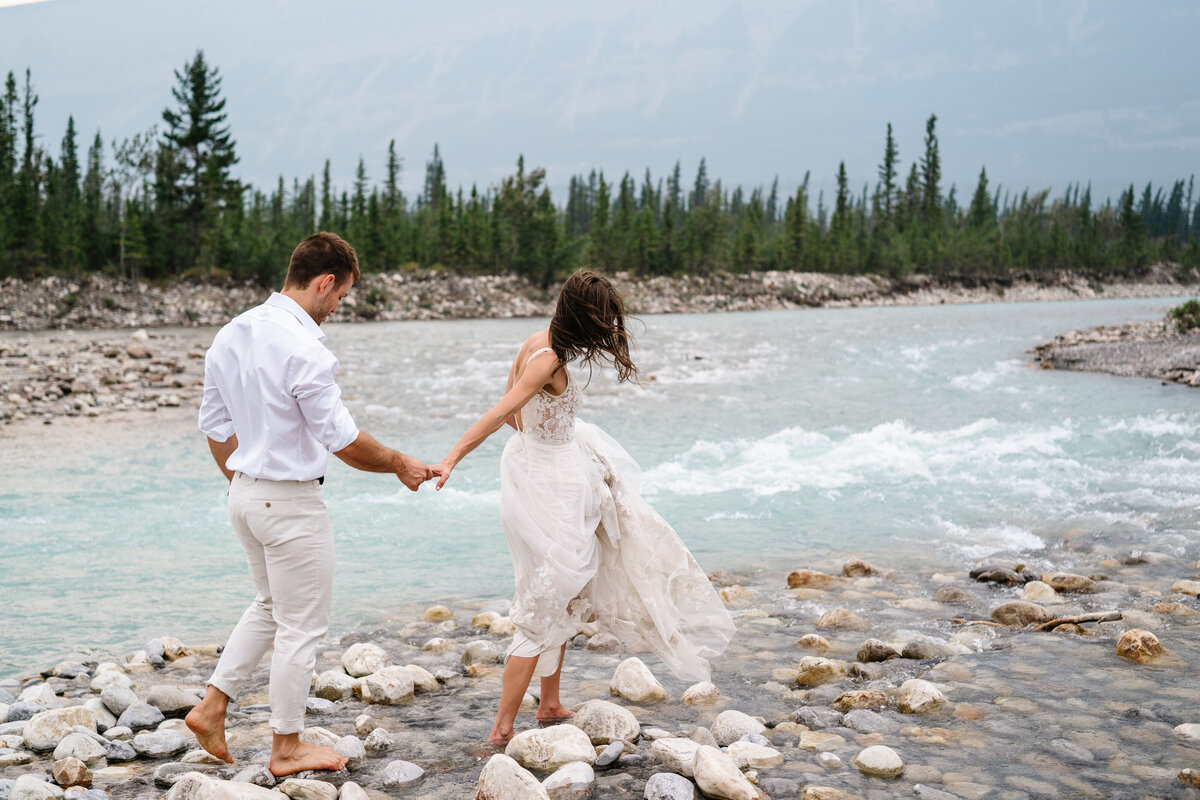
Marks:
<point>164,205</point>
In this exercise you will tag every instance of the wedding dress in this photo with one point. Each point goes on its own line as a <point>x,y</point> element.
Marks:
<point>586,548</point>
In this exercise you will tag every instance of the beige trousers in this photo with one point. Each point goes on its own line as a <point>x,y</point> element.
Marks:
<point>284,529</point>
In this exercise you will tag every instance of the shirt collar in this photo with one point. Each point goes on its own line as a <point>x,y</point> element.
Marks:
<point>278,300</point>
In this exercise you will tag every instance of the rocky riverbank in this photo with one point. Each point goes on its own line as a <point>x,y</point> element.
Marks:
<point>1066,677</point>
<point>100,302</point>
<point>1138,350</point>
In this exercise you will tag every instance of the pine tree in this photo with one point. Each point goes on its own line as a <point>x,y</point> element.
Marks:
<point>327,204</point>
<point>885,195</point>
<point>8,168</point>
<point>981,214</point>
<point>931,174</point>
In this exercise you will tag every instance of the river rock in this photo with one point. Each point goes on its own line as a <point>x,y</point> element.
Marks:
<point>718,776</point>
<point>71,772</point>
<point>171,701</point>
<point>352,791</point>
<point>606,722</point>
<point>703,692</point>
<point>109,677</point>
<point>916,696</point>
<point>364,658</point>
<point>879,761</point>
<point>399,774</point>
<point>159,744</point>
<point>570,782</point>
<point>731,725</point>
<point>702,735</point>
<point>117,697</point>
<point>40,694</point>
<point>1189,777</point>
<point>29,787</point>
<point>378,742</point>
<point>1019,614</point>
<point>319,737</point>
<point>301,789</point>
<point>334,684</point>
<point>481,651</point>
<point>610,754</point>
<point>603,642</point>
<point>815,670</point>
<point>1186,587</point>
<point>953,595</point>
<point>865,720</point>
<point>353,750</point>
<point>197,786</point>
<point>857,568</point>
<point>810,578</point>
<point>388,686</point>
<point>814,641</point>
<point>749,755</point>
<point>860,698</point>
<point>104,717</point>
<point>257,774</point>
<point>547,749</point>
<point>1068,582</point>
<point>819,718</point>
<point>437,614</point>
<point>1039,592</point>
<point>997,573</point>
<point>423,680</point>
<point>1139,646</point>
<point>735,595</point>
<point>676,754</point>
<point>46,729</point>
<point>634,681</point>
<point>81,747</point>
<point>484,619</point>
<point>503,627</point>
<point>502,778</point>
<point>876,650</point>
<point>842,619</point>
<point>669,786</point>
<point>1189,731</point>
<point>140,715</point>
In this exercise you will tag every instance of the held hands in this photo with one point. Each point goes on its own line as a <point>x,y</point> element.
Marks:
<point>412,473</point>
<point>442,470</point>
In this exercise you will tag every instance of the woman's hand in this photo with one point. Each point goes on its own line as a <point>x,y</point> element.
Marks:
<point>443,472</point>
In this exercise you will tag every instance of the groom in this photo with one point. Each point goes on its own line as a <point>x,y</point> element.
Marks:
<point>272,413</point>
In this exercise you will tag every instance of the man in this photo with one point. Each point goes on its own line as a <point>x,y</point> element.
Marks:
<point>272,413</point>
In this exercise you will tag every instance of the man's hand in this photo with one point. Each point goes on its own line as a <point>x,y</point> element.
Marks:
<point>412,473</point>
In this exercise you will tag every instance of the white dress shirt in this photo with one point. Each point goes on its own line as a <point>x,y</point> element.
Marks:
<point>269,378</point>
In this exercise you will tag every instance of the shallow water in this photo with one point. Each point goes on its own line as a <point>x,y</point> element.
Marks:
<point>769,439</point>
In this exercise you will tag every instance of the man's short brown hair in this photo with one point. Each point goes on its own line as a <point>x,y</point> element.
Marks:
<point>322,253</point>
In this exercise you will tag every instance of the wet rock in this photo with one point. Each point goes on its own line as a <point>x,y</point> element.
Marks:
<point>388,686</point>
<point>610,754</point>
<point>669,786</point>
<point>676,754</point>
<point>814,641</point>
<point>319,737</point>
<point>830,761</point>
<point>875,650</point>
<point>995,573</point>
<point>1019,614</point>
<point>29,787</point>
<point>916,696</point>
<point>484,619</point>
<point>1189,777</point>
<point>879,761</point>
<point>920,649</point>
<point>718,776</point>
<point>731,725</point>
<point>46,729</point>
<point>334,684</point>
<point>81,747</point>
<point>117,697</point>
<point>857,568</point>
<point>437,614</point>
<point>1139,646</point>
<point>502,778</point>
<point>399,774</point>
<point>159,744</point>
<point>570,782</point>
<point>606,722</point>
<point>119,751</point>
<point>352,791</point>
<point>735,596</point>
<point>814,671</point>
<point>1069,582</point>
<point>703,692</point>
<point>550,748</point>
<point>1039,592</point>
<point>842,619</point>
<point>812,579</point>
<point>603,642</point>
<point>1186,587</point>
<point>378,742</point>
<point>171,701</point>
<point>257,774</point>
<point>634,681</point>
<point>819,718</point>
<point>363,659</point>
<point>352,749</point>
<point>300,789</point>
<point>197,786</point>
<point>863,698</point>
<point>953,595</point>
<point>71,772</point>
<point>1188,731</point>
<point>482,651</point>
<point>866,721</point>
<point>748,755</point>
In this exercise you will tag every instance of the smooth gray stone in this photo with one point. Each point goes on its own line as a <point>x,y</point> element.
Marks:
<point>756,738</point>
<point>817,718</point>
<point>118,732</point>
<point>159,744</point>
<point>70,671</point>
<point>258,774</point>
<point>171,701</point>
<point>779,787</point>
<point>6,785</point>
<point>351,748</point>
<point>401,773</point>
<point>117,698</point>
<point>921,790</point>
<point>140,715</point>
<point>167,775</point>
<point>95,794</point>
<point>153,648</point>
<point>703,735</point>
<point>610,753</point>
<point>669,786</point>
<point>630,760</point>
<point>13,727</point>
<point>379,741</point>
<point>91,734</point>
<point>120,751</point>
<point>18,712</point>
<point>864,720</point>
<point>319,705</point>
<point>6,698</point>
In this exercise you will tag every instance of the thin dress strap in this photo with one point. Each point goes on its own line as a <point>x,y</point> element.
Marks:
<point>538,352</point>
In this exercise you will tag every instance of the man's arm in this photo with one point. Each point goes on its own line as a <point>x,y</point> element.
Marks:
<point>368,455</point>
<point>221,451</point>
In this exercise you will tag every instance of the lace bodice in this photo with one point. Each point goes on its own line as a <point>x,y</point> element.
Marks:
<point>551,419</point>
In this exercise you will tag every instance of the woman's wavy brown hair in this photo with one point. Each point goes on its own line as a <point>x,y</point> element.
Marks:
<point>590,324</point>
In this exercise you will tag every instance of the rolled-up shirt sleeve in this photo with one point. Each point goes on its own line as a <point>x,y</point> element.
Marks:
<point>215,420</point>
<point>320,400</point>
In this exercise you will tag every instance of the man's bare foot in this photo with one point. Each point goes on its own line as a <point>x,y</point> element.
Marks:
<point>304,756</point>
<point>552,714</point>
<point>207,721</point>
<point>499,738</point>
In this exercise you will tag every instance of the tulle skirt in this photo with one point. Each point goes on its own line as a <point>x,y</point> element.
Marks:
<point>590,554</point>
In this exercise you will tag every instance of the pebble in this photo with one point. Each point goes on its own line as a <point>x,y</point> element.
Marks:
<point>916,696</point>
<point>860,698</point>
<point>812,579</point>
<point>378,742</point>
<point>866,721</point>
<point>257,774</point>
<point>857,568</point>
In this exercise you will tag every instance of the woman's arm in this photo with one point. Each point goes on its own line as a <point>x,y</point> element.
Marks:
<point>537,374</point>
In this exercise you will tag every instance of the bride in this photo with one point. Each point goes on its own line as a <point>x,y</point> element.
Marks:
<point>585,546</point>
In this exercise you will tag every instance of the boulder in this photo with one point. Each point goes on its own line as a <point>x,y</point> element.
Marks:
<point>634,681</point>
<point>606,722</point>
<point>570,782</point>
<point>730,725</point>
<point>46,729</point>
<point>364,658</point>
<point>879,761</point>
<point>1020,614</point>
<point>104,718</point>
<point>547,749</point>
<point>718,776</point>
<point>916,696</point>
<point>1139,646</point>
<point>502,778</point>
<point>676,754</point>
<point>842,619</point>
<point>117,697</point>
<point>388,686</point>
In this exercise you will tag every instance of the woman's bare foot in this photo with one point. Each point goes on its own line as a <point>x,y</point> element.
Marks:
<point>207,721</point>
<point>552,713</point>
<point>500,738</point>
<point>302,756</point>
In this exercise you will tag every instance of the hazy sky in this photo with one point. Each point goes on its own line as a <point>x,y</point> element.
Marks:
<point>1042,93</point>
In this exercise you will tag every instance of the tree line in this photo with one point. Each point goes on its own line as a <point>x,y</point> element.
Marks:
<point>164,204</point>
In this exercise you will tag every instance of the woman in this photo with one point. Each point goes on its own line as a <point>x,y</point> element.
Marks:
<point>585,546</point>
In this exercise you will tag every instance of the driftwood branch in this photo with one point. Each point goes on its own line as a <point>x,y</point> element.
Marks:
<point>1095,616</point>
